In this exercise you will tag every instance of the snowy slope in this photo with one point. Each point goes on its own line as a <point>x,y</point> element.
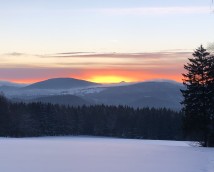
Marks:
<point>87,154</point>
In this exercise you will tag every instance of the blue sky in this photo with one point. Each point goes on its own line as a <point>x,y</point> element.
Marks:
<point>43,27</point>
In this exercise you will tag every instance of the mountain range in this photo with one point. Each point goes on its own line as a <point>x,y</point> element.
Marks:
<point>74,92</point>
<point>145,94</point>
<point>13,84</point>
<point>60,83</point>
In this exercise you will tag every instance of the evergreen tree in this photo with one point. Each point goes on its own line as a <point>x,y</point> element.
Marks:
<point>39,119</point>
<point>211,99</point>
<point>4,116</point>
<point>197,107</point>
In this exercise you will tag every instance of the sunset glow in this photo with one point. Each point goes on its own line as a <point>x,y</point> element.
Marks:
<point>106,42</point>
<point>109,79</point>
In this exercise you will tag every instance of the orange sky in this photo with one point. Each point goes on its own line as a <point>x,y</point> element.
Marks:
<point>106,76</point>
<point>95,67</point>
<point>101,41</point>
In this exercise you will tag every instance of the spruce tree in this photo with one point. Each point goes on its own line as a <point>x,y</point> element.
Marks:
<point>211,99</point>
<point>196,103</point>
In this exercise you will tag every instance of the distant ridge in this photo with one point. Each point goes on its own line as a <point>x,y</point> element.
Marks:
<point>8,88</point>
<point>74,92</point>
<point>145,94</point>
<point>13,84</point>
<point>60,83</point>
<point>71,100</point>
<point>163,80</point>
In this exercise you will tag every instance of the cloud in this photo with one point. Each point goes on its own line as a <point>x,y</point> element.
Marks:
<point>35,73</point>
<point>140,66</point>
<point>178,53</point>
<point>149,55</point>
<point>74,53</point>
<point>159,10</point>
<point>14,54</point>
<point>155,10</point>
<point>80,60</point>
<point>21,54</point>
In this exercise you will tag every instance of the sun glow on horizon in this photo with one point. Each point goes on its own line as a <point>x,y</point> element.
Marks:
<point>110,79</point>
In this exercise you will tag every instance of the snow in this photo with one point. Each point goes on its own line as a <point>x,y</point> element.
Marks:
<point>94,154</point>
<point>34,93</point>
<point>79,91</point>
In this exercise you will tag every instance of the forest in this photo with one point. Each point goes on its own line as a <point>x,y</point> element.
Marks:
<point>40,119</point>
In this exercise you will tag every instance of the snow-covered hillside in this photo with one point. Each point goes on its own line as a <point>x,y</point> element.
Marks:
<point>88,154</point>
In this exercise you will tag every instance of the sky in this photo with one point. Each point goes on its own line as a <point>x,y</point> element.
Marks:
<point>102,41</point>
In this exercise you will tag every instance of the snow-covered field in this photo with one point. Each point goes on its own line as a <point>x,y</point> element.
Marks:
<point>88,154</point>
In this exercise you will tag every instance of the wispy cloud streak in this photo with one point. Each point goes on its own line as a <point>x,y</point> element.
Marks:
<point>149,55</point>
<point>105,60</point>
<point>138,66</point>
<point>155,10</point>
<point>14,54</point>
<point>159,10</point>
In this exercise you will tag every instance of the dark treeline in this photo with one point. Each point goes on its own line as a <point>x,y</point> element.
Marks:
<point>39,119</point>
